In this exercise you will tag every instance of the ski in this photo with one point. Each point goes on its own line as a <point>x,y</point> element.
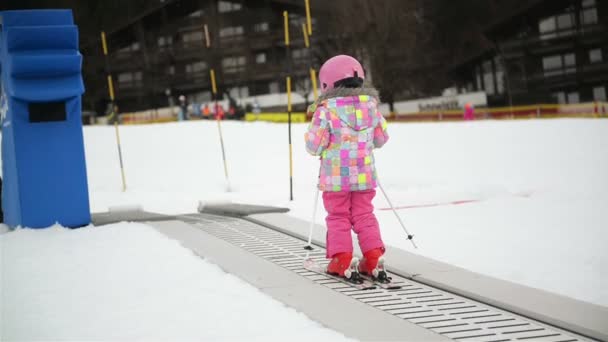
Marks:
<point>385,284</point>
<point>359,283</point>
<point>381,278</point>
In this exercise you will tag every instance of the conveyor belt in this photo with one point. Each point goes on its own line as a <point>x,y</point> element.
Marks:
<point>450,315</point>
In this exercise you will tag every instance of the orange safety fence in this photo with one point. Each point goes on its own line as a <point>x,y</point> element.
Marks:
<point>583,110</point>
<point>540,111</point>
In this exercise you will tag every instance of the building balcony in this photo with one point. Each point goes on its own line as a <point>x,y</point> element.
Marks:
<point>555,41</point>
<point>590,73</point>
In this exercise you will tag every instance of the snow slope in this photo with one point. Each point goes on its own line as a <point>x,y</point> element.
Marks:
<point>519,200</point>
<point>541,188</point>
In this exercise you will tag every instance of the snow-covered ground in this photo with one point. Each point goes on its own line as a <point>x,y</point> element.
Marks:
<point>127,281</point>
<point>539,192</point>
<point>542,187</point>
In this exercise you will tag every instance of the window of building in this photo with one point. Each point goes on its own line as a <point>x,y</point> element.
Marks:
<point>500,80</point>
<point>570,63</point>
<point>196,14</point>
<point>303,85</point>
<point>165,41</point>
<point>488,78</point>
<point>478,79</point>
<point>589,13</point>
<point>599,93</point>
<point>595,56</point>
<point>239,92</point>
<point>547,25</point>
<point>261,27</point>
<point>224,6</point>
<point>125,77</point>
<point>559,64</point>
<point>193,37</point>
<point>130,48</point>
<point>129,77</point>
<point>299,53</point>
<point>171,70</point>
<point>201,97</point>
<point>552,62</point>
<point>560,97</point>
<point>233,64</point>
<point>231,31</point>
<point>573,97</point>
<point>565,21</point>
<point>260,58</point>
<point>273,87</point>
<point>196,67</point>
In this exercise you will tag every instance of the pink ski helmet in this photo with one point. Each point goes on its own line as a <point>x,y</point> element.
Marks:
<point>341,70</point>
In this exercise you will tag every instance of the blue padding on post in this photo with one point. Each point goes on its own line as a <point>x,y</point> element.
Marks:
<point>37,18</point>
<point>36,66</point>
<point>43,162</point>
<point>50,90</point>
<point>41,38</point>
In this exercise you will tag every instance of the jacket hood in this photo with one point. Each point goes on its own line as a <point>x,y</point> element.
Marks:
<point>358,114</point>
<point>345,92</point>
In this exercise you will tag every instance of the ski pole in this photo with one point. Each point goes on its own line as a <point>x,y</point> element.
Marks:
<point>409,236</point>
<point>312,224</point>
<point>219,126</point>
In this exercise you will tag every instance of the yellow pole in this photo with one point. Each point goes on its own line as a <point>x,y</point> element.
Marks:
<point>288,80</point>
<point>103,43</point>
<point>207,41</point>
<point>104,46</point>
<point>286,27</point>
<point>306,41</point>
<point>313,79</point>
<point>212,75</point>
<point>308,20</point>
<point>111,87</point>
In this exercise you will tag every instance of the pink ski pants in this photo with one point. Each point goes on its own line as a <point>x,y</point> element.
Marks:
<point>351,210</point>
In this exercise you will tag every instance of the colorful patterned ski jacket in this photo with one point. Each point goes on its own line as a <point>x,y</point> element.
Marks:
<point>346,126</point>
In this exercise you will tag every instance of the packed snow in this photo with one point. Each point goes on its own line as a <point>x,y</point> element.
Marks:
<point>127,281</point>
<point>518,200</point>
<point>539,186</point>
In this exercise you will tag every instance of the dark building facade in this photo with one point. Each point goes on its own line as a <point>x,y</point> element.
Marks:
<point>549,51</point>
<point>162,53</point>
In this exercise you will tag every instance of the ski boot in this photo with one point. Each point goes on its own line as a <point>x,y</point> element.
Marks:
<point>372,265</point>
<point>346,266</point>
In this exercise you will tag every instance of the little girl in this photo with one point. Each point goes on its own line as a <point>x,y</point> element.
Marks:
<point>346,126</point>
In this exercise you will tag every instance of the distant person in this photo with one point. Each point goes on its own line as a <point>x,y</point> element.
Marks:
<point>218,111</point>
<point>206,111</point>
<point>346,126</point>
<point>183,106</point>
<point>469,112</point>
<point>256,107</point>
<point>112,113</point>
